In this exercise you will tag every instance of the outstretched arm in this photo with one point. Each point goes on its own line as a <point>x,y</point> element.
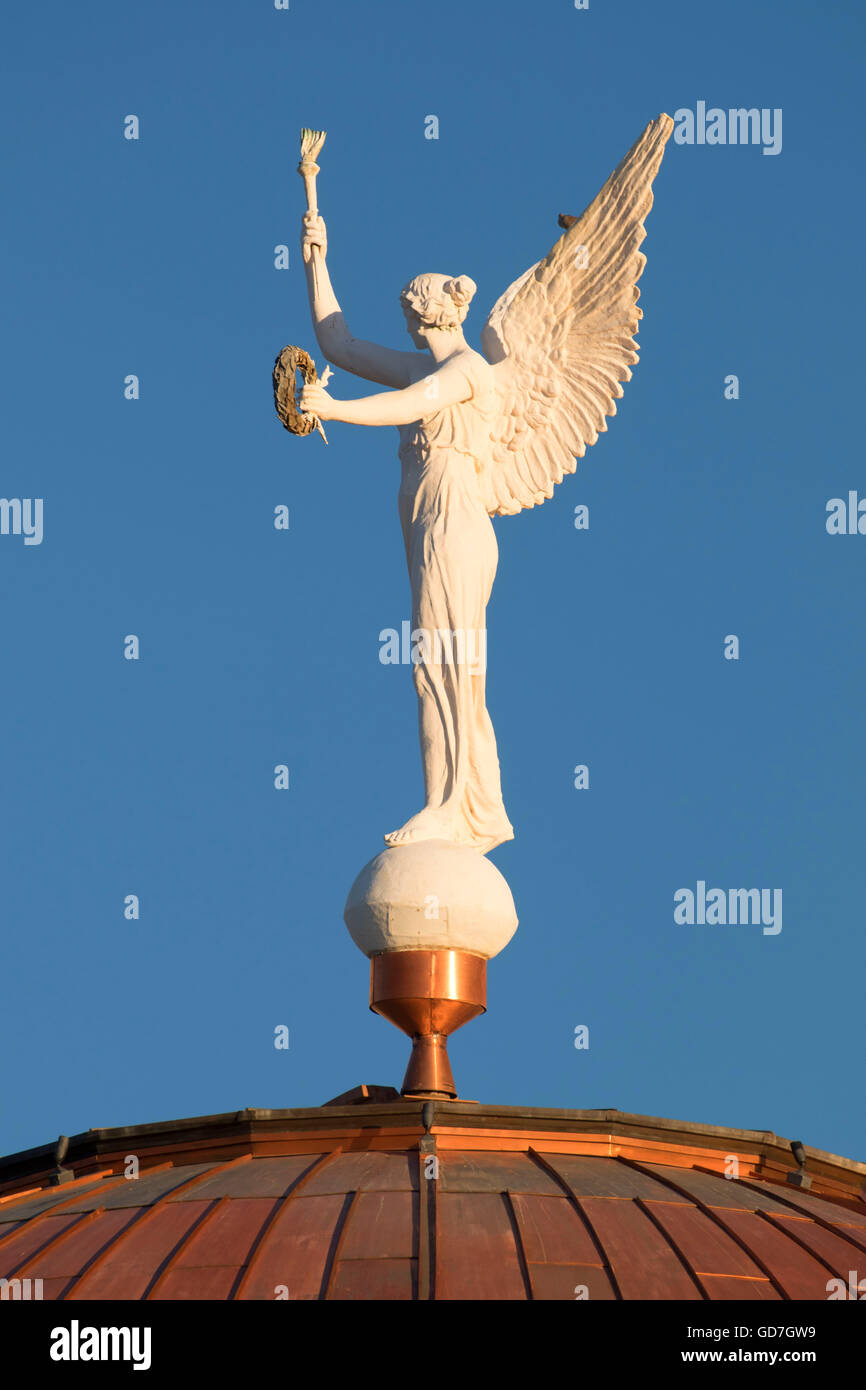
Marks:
<point>384,365</point>
<point>448,385</point>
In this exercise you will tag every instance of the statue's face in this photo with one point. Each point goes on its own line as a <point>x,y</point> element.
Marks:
<point>413,327</point>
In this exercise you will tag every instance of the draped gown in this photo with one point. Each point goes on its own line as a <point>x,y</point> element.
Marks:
<point>452,555</point>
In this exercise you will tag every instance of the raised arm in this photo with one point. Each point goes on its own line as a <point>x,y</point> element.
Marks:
<point>387,366</point>
<point>448,384</point>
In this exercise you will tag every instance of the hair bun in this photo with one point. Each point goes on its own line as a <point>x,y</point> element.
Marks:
<point>460,290</point>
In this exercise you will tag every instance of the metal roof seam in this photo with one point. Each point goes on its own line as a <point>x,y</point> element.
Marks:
<point>668,1237</point>
<point>583,1216</point>
<point>790,1233</point>
<point>171,1259</point>
<point>88,1263</point>
<point>86,1217</point>
<point>782,1197</point>
<point>73,1197</point>
<point>136,1224</point>
<point>427,1199</point>
<point>337,1240</point>
<point>717,1220</point>
<point>518,1242</point>
<point>245,1273</point>
<point>8,1201</point>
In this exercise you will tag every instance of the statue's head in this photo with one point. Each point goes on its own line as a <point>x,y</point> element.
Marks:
<point>435,301</point>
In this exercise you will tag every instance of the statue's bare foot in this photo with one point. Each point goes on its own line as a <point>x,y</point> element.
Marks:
<point>433,823</point>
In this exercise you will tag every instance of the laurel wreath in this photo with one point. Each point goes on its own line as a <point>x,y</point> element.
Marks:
<point>290,361</point>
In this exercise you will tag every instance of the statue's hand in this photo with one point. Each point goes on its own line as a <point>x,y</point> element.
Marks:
<point>314,233</point>
<point>314,400</point>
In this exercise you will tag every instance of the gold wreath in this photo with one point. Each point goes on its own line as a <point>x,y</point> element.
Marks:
<point>291,360</point>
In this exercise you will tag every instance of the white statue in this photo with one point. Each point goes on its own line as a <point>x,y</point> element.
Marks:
<point>486,436</point>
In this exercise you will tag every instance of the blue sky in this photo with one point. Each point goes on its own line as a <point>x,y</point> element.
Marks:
<point>258,647</point>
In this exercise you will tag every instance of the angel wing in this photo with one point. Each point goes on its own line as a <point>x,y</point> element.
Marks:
<point>560,340</point>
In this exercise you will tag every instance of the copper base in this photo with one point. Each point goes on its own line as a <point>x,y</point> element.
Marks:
<point>428,994</point>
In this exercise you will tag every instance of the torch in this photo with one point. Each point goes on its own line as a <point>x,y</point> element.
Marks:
<point>311,143</point>
<point>293,359</point>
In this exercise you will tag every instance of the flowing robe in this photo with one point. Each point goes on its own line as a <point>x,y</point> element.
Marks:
<point>452,554</point>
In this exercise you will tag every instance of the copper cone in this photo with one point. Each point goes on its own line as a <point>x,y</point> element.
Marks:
<point>428,994</point>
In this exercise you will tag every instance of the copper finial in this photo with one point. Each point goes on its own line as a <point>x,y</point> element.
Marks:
<point>428,994</point>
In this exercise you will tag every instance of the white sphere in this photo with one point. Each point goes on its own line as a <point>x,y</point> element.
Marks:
<point>428,896</point>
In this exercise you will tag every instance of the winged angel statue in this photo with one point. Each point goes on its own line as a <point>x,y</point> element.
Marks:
<point>488,436</point>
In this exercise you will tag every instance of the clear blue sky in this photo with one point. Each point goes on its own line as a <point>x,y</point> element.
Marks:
<point>707,517</point>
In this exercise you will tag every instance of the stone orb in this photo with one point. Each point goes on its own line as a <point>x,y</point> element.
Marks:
<point>428,896</point>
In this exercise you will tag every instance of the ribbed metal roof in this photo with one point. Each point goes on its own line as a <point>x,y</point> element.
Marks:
<point>363,1203</point>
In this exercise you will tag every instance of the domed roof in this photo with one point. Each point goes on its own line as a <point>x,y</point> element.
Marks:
<point>375,1197</point>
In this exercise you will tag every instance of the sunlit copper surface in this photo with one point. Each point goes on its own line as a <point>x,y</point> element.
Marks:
<point>429,995</point>
<point>389,1199</point>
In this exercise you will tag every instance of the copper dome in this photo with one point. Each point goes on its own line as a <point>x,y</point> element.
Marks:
<point>374,1197</point>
